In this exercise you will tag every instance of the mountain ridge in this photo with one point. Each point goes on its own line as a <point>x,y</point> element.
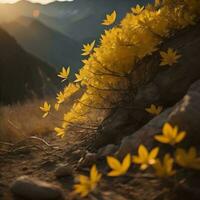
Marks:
<point>22,75</point>
<point>56,49</point>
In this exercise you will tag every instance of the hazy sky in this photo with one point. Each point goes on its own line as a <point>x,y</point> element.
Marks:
<point>38,1</point>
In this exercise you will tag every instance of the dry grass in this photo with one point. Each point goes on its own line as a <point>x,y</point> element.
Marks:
<point>21,120</point>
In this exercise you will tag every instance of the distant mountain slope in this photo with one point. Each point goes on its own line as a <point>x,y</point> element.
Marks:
<point>21,74</point>
<point>78,19</point>
<point>45,43</point>
<point>87,15</point>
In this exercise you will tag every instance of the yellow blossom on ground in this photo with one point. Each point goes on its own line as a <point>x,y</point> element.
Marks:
<point>110,19</point>
<point>164,168</point>
<point>46,109</point>
<point>88,184</point>
<point>145,158</point>
<point>188,159</point>
<point>169,58</point>
<point>117,167</point>
<point>170,135</point>
<point>154,110</point>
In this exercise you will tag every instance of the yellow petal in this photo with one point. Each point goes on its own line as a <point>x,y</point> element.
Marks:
<point>162,139</point>
<point>137,160</point>
<point>167,130</point>
<point>143,152</point>
<point>143,166</point>
<point>113,163</point>
<point>180,137</point>
<point>57,105</point>
<point>154,152</point>
<point>94,175</point>
<point>115,173</point>
<point>45,115</point>
<point>126,162</point>
<point>83,179</point>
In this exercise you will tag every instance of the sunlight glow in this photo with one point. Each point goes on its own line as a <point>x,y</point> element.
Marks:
<point>34,1</point>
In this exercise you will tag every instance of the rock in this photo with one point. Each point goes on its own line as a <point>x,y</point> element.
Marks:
<point>64,170</point>
<point>78,153</point>
<point>31,189</point>
<point>48,164</point>
<point>108,150</point>
<point>108,195</point>
<point>185,115</point>
<point>154,85</point>
<point>89,159</point>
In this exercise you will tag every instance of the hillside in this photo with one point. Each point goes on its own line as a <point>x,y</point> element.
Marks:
<point>55,163</point>
<point>127,128</point>
<point>22,75</point>
<point>70,17</point>
<point>45,43</point>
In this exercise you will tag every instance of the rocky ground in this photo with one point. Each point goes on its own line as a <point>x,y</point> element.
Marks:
<point>46,168</point>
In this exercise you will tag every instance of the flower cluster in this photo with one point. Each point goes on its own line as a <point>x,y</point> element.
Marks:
<point>105,76</point>
<point>163,168</point>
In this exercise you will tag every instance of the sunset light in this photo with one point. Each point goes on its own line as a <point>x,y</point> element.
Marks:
<point>34,1</point>
<point>36,13</point>
<point>99,99</point>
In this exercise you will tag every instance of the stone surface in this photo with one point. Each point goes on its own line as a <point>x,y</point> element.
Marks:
<point>63,170</point>
<point>108,150</point>
<point>185,114</point>
<point>156,85</point>
<point>29,188</point>
<point>89,159</point>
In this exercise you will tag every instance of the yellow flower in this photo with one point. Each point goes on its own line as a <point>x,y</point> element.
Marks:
<point>145,158</point>
<point>165,168</point>
<point>64,73</point>
<point>154,110</point>
<point>60,97</point>
<point>169,58</point>
<point>188,159</point>
<point>137,10</point>
<point>110,19</point>
<point>118,168</point>
<point>46,109</point>
<point>170,135</point>
<point>78,78</point>
<point>87,48</point>
<point>60,132</point>
<point>88,184</point>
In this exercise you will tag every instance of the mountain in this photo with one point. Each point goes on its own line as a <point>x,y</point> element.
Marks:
<point>55,32</point>
<point>78,19</point>
<point>44,42</point>
<point>21,74</point>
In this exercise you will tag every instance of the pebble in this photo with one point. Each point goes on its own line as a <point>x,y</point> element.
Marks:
<point>33,189</point>
<point>63,170</point>
<point>108,150</point>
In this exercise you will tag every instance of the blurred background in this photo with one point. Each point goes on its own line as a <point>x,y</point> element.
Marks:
<point>38,38</point>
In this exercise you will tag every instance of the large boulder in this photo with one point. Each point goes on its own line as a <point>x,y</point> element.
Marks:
<point>31,189</point>
<point>155,84</point>
<point>185,114</point>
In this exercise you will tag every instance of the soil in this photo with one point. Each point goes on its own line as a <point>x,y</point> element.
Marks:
<point>36,159</point>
